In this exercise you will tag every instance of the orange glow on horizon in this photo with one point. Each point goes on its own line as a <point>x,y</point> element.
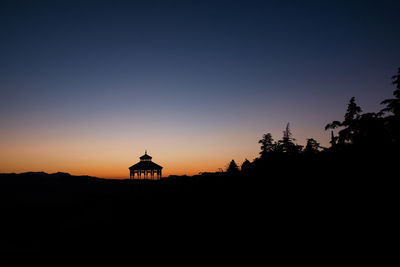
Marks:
<point>113,160</point>
<point>120,171</point>
<point>108,153</point>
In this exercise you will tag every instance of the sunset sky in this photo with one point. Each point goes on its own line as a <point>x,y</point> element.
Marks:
<point>87,86</point>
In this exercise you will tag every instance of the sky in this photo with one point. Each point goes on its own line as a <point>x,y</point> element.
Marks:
<point>87,86</point>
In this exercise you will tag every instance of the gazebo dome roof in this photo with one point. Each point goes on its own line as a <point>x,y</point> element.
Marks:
<point>145,165</point>
<point>145,156</point>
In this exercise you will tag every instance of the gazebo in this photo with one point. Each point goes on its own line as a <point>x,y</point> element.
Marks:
<point>146,167</point>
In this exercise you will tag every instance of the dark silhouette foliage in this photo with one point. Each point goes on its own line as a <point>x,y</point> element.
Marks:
<point>246,165</point>
<point>392,121</point>
<point>267,145</point>
<point>370,133</point>
<point>333,140</point>
<point>286,145</point>
<point>351,118</point>
<point>233,168</point>
<point>393,105</point>
<point>312,146</point>
<point>370,140</point>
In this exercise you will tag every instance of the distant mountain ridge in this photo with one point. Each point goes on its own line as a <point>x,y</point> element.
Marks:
<point>47,176</point>
<point>42,173</point>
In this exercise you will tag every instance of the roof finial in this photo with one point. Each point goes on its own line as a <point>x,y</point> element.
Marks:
<point>145,152</point>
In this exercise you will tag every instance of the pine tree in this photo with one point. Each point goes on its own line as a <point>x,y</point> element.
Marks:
<point>312,146</point>
<point>232,167</point>
<point>267,145</point>
<point>350,123</point>
<point>287,145</point>
<point>246,165</point>
<point>393,105</point>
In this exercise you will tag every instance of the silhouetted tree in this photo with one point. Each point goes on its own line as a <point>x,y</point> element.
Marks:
<point>353,112</point>
<point>232,168</point>
<point>287,145</point>
<point>246,165</point>
<point>365,144</point>
<point>393,105</point>
<point>350,123</point>
<point>333,140</point>
<point>312,146</point>
<point>267,145</point>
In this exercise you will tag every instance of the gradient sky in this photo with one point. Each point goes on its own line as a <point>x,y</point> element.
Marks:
<point>87,86</point>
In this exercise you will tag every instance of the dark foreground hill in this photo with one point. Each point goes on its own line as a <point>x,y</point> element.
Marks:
<point>200,215</point>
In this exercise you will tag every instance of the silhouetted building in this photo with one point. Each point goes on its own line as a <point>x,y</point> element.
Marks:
<point>145,166</point>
